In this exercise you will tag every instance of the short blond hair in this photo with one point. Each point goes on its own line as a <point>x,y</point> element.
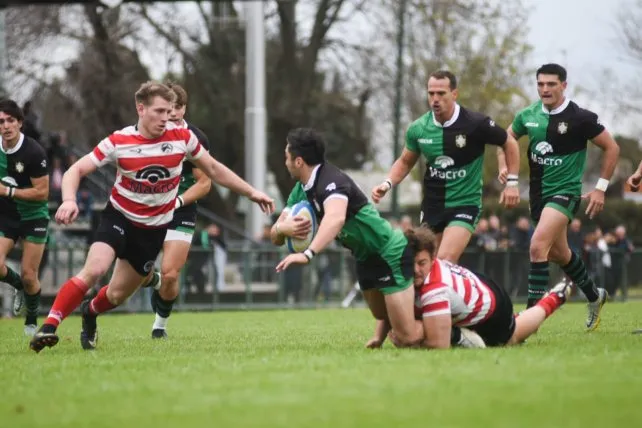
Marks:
<point>181,93</point>
<point>151,89</point>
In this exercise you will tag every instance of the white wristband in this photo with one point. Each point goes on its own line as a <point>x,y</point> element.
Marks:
<point>602,184</point>
<point>179,202</point>
<point>388,182</point>
<point>7,191</point>
<point>512,183</point>
<point>512,177</point>
<point>309,254</point>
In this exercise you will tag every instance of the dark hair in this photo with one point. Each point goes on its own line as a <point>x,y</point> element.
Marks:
<point>422,239</point>
<point>445,74</point>
<point>11,108</point>
<point>307,144</point>
<point>181,94</point>
<point>552,68</point>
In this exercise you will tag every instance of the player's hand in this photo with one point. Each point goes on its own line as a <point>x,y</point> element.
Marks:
<point>509,196</point>
<point>379,192</point>
<point>394,339</point>
<point>295,227</point>
<point>264,201</point>
<point>298,258</point>
<point>633,181</point>
<point>67,212</point>
<point>374,343</point>
<point>596,202</point>
<point>503,175</point>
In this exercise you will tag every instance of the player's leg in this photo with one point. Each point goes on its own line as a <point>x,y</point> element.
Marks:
<point>530,320</point>
<point>460,226</point>
<point>575,269</point>
<point>8,275</point>
<point>124,282</point>
<point>99,258</point>
<point>552,223</point>
<point>31,257</point>
<point>175,251</point>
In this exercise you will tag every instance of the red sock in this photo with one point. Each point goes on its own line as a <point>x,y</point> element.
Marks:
<point>101,303</point>
<point>550,303</point>
<point>67,299</point>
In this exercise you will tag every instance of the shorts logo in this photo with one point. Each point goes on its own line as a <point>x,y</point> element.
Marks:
<point>384,278</point>
<point>148,266</point>
<point>153,173</point>
<point>119,229</point>
<point>464,216</point>
<point>188,223</point>
<point>43,163</point>
<point>40,229</point>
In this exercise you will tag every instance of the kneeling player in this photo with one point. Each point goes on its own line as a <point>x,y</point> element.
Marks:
<point>450,296</point>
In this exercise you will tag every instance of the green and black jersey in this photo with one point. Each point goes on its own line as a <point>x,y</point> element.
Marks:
<point>187,175</point>
<point>557,142</point>
<point>454,154</point>
<point>18,166</point>
<point>365,232</point>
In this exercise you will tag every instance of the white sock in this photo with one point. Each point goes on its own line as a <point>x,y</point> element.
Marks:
<point>160,323</point>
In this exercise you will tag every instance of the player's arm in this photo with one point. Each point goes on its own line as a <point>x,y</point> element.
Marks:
<point>382,328</point>
<point>71,178</point>
<point>38,192</point>
<point>437,330</point>
<point>334,218</point>
<point>277,236</point>
<point>611,153</point>
<point>197,190</point>
<point>437,316</point>
<point>400,168</point>
<point>635,178</point>
<point>501,155</point>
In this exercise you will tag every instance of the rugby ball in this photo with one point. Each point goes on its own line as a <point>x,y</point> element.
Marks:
<point>302,209</point>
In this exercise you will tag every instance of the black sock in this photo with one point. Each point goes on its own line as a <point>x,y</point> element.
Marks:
<point>576,270</point>
<point>162,307</point>
<point>13,279</point>
<point>455,336</point>
<point>48,328</point>
<point>537,282</point>
<point>32,302</point>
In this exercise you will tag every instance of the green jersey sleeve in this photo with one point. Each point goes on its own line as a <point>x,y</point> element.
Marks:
<point>411,140</point>
<point>518,124</point>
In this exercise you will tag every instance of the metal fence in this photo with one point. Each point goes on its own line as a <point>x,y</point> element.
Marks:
<point>243,275</point>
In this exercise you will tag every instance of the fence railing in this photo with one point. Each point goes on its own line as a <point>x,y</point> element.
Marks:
<point>244,276</point>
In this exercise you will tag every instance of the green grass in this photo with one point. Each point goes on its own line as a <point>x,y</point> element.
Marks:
<point>309,368</point>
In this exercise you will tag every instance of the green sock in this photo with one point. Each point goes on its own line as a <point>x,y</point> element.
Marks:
<point>576,270</point>
<point>13,279</point>
<point>537,282</point>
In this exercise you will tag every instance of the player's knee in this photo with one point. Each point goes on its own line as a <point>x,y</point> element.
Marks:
<point>169,278</point>
<point>539,250</point>
<point>93,272</point>
<point>29,277</point>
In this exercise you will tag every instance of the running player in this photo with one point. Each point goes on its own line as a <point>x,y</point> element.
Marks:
<point>452,139</point>
<point>149,158</point>
<point>384,259</point>
<point>558,131</point>
<point>193,186</point>
<point>24,214</point>
<point>451,295</point>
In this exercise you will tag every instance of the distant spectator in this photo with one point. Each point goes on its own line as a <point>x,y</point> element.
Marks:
<point>575,236</point>
<point>520,262</point>
<point>55,180</point>
<point>621,248</point>
<point>30,126</point>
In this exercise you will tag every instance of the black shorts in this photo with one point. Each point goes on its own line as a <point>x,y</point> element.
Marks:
<point>566,204</point>
<point>184,219</point>
<point>35,230</point>
<point>139,246</point>
<point>389,272</point>
<point>439,219</point>
<point>499,328</point>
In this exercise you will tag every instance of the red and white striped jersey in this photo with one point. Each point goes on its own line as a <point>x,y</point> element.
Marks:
<point>148,171</point>
<point>454,290</point>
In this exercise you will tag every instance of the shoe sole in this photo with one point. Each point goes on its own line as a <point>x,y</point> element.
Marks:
<point>599,316</point>
<point>41,343</point>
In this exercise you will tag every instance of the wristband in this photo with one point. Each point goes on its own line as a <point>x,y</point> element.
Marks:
<point>388,182</point>
<point>602,184</point>
<point>309,254</point>
<point>512,183</point>
<point>9,191</point>
<point>179,202</point>
<point>512,177</point>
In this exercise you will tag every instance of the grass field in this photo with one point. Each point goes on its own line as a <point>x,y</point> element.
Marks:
<point>309,369</point>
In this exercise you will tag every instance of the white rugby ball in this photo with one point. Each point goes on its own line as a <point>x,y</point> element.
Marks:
<point>302,209</point>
